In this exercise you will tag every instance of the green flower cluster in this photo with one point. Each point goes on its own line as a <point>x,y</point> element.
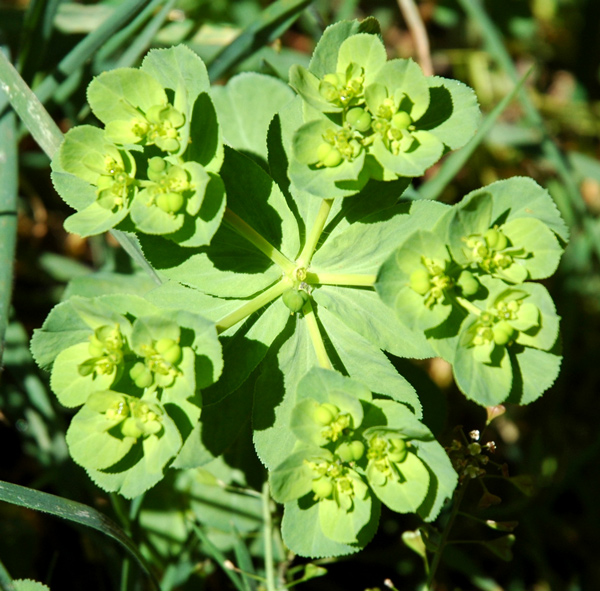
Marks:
<point>133,370</point>
<point>367,117</point>
<point>139,171</point>
<point>352,453</point>
<point>467,284</point>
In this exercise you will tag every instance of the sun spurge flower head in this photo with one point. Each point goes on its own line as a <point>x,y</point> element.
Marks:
<point>148,113</point>
<point>367,117</point>
<point>351,453</point>
<point>135,370</point>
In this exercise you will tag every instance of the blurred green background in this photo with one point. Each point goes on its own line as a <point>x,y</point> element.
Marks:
<point>551,134</point>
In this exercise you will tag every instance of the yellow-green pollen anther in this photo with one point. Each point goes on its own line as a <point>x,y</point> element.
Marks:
<point>164,122</point>
<point>169,184</point>
<point>332,481</point>
<point>114,186</point>
<point>136,417</point>
<point>344,90</point>
<point>383,454</point>
<point>343,144</point>
<point>489,250</point>
<point>106,350</point>
<point>430,281</point>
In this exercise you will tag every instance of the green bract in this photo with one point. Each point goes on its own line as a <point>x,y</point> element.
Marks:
<point>366,117</point>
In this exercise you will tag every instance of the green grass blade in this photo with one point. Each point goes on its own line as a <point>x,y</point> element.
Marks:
<point>495,46</point>
<point>218,557</point>
<point>31,111</point>
<point>72,511</point>
<point>35,35</point>
<point>86,49</point>
<point>433,188</point>
<point>142,41</point>
<point>244,561</point>
<point>136,42</point>
<point>8,214</point>
<point>273,21</point>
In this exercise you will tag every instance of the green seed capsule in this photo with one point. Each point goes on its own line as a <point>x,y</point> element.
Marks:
<point>495,239</point>
<point>398,450</point>
<point>169,350</point>
<point>468,283</point>
<point>359,119</point>
<point>323,416</point>
<point>332,159</point>
<point>130,428</point>
<point>503,332</point>
<point>141,375</point>
<point>170,202</point>
<point>420,281</point>
<point>322,487</point>
<point>351,451</point>
<point>294,299</point>
<point>401,120</point>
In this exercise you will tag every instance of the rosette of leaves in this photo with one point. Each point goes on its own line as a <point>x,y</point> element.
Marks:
<point>138,371</point>
<point>153,167</point>
<point>352,453</point>
<point>465,284</point>
<point>369,117</point>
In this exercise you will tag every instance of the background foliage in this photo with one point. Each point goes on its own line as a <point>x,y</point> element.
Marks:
<point>550,134</point>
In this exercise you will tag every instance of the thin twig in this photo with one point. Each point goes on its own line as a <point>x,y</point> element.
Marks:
<point>415,25</point>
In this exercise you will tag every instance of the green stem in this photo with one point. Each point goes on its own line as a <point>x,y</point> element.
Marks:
<point>262,299</point>
<point>236,223</point>
<point>268,537</point>
<point>356,280</point>
<point>468,306</point>
<point>315,336</point>
<point>460,493</point>
<point>315,233</point>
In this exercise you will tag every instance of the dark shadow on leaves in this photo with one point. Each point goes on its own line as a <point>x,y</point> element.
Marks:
<point>440,109</point>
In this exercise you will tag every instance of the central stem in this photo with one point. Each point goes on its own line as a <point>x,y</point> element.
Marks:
<point>315,233</point>
<point>353,279</point>
<point>235,222</point>
<point>262,299</point>
<point>315,336</point>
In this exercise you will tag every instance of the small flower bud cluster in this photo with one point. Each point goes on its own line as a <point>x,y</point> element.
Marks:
<point>470,458</point>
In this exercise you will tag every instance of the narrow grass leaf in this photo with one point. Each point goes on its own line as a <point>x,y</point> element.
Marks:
<point>6,582</point>
<point>8,214</point>
<point>72,511</point>
<point>86,48</point>
<point>135,38</point>
<point>219,558</point>
<point>272,22</point>
<point>41,126</point>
